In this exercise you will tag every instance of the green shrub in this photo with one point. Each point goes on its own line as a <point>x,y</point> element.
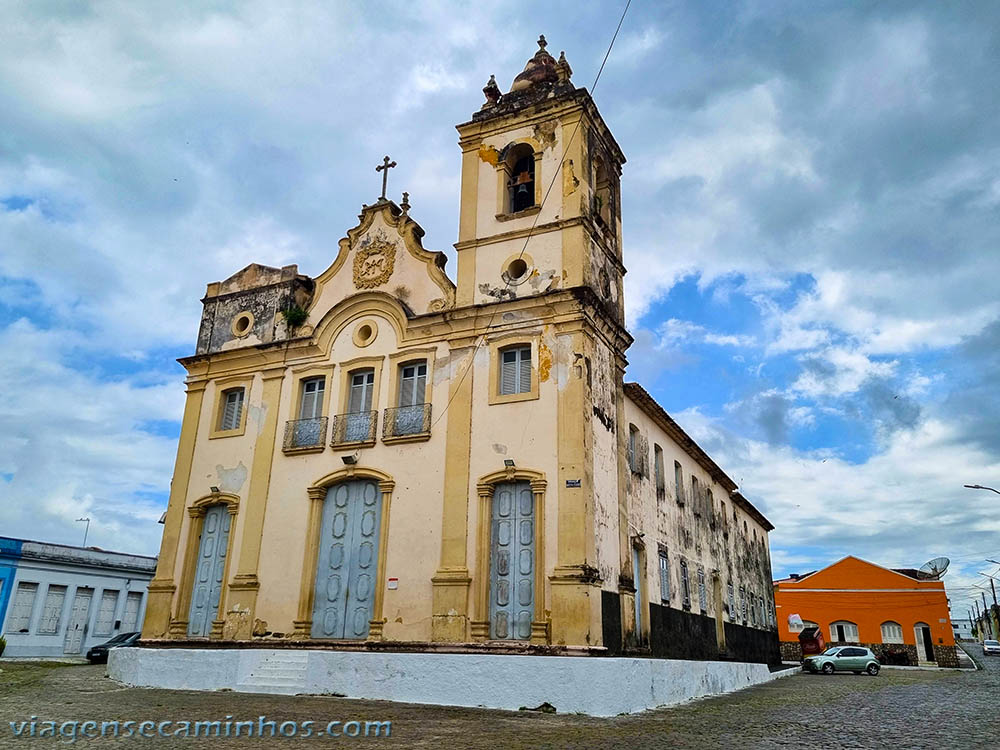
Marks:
<point>295,316</point>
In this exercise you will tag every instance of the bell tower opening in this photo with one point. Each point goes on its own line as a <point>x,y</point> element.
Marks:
<point>520,165</point>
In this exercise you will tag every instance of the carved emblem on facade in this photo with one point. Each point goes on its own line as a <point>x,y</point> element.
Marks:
<point>373,263</point>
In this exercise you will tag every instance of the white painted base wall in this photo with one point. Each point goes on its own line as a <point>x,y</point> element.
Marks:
<point>598,686</point>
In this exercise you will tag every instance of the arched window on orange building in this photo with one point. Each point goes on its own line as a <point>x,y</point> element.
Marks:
<point>892,632</point>
<point>843,631</point>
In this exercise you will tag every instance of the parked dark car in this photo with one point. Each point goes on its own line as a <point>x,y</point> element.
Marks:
<point>99,654</point>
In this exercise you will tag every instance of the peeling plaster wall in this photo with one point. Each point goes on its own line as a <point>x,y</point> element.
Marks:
<point>705,539</point>
<point>603,390</point>
<point>543,254</point>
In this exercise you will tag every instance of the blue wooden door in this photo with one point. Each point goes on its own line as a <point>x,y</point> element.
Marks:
<point>344,596</point>
<point>209,571</point>
<point>512,562</point>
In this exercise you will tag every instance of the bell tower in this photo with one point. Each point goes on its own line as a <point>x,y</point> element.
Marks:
<point>540,205</point>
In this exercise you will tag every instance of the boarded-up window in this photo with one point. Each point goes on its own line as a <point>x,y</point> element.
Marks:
<point>232,409</point>
<point>412,384</point>
<point>24,602</point>
<point>679,482</point>
<point>52,611</point>
<point>695,496</point>
<point>311,405</point>
<point>106,613</point>
<point>664,576</point>
<point>515,370</point>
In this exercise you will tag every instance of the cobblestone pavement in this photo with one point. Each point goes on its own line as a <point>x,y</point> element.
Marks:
<point>897,709</point>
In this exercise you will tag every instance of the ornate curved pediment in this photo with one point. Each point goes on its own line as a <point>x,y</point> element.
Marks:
<point>384,253</point>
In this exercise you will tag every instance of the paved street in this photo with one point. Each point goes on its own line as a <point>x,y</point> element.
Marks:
<point>906,709</point>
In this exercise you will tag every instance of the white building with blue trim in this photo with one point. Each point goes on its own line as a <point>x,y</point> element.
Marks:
<point>57,600</point>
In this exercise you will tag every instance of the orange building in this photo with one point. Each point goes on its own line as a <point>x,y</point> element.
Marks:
<point>901,615</point>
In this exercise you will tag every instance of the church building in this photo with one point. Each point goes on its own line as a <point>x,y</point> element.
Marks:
<point>383,455</point>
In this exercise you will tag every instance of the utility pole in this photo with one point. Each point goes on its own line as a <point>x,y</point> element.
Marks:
<point>986,613</point>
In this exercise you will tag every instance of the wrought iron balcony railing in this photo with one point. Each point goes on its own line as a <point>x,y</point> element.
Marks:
<point>303,434</point>
<point>406,421</point>
<point>356,427</point>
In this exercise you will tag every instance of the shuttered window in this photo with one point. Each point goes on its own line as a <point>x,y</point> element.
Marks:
<point>24,602</point>
<point>685,585</point>
<point>362,385</point>
<point>695,496</point>
<point>106,613</point>
<point>412,384</point>
<point>515,370</point>
<point>679,482</point>
<point>732,604</point>
<point>232,409</point>
<point>702,593</point>
<point>311,405</point>
<point>664,577</point>
<point>52,611</point>
<point>892,632</point>
<point>658,468</point>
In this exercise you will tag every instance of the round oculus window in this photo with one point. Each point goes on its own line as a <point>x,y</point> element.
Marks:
<point>242,324</point>
<point>365,333</point>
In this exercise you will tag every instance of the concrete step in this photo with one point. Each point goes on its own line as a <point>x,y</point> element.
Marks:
<point>279,674</point>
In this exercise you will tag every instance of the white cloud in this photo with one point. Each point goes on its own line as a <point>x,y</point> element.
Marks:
<point>838,371</point>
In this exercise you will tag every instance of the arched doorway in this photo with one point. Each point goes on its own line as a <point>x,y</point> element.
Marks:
<point>925,646</point>
<point>510,588</point>
<point>209,570</point>
<point>206,568</point>
<point>347,561</point>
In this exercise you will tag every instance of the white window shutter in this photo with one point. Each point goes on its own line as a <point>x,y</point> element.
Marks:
<point>508,376</point>
<point>406,387</point>
<point>420,386</point>
<point>524,384</point>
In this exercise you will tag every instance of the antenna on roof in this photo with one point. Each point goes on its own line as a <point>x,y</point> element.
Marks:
<point>935,568</point>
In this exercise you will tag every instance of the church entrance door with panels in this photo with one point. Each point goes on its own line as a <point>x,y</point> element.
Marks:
<point>346,572</point>
<point>209,571</point>
<point>512,562</point>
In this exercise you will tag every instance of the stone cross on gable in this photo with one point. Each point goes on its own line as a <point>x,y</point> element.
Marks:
<point>384,168</point>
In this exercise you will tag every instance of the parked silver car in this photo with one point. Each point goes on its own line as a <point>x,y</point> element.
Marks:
<point>991,647</point>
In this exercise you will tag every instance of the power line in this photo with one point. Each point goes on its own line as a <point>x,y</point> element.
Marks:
<point>534,222</point>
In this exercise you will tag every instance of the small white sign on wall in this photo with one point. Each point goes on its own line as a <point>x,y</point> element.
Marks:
<point>393,583</point>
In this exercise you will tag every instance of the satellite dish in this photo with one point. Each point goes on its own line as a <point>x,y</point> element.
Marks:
<point>935,568</point>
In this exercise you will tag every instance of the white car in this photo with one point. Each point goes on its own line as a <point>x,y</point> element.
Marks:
<point>991,647</point>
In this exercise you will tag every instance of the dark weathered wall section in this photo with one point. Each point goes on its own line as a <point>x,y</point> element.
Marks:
<point>675,634</point>
<point>259,291</point>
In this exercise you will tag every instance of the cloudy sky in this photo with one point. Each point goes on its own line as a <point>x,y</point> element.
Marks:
<point>811,192</point>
